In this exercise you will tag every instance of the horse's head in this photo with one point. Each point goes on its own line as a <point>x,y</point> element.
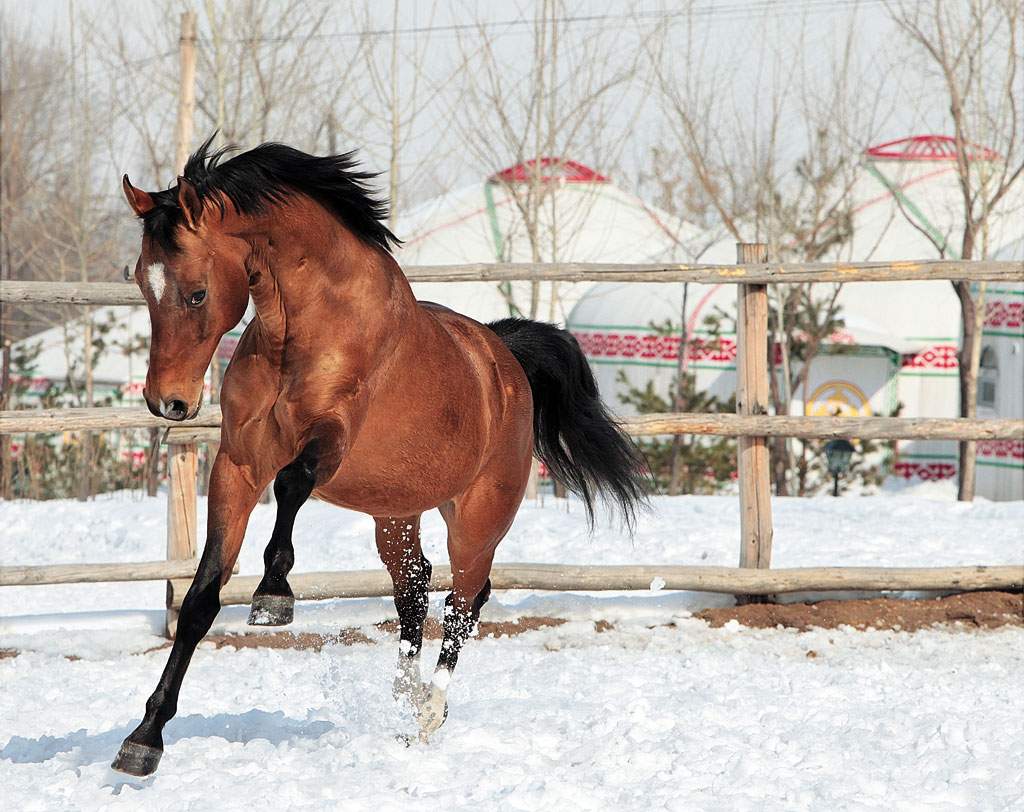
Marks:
<point>194,280</point>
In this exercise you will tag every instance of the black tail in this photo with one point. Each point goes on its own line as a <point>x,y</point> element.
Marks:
<point>573,433</point>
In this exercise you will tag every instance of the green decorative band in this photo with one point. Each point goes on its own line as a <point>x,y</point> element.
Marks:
<point>1003,334</point>
<point>1017,466</point>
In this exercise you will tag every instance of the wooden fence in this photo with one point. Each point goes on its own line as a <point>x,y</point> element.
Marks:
<point>752,425</point>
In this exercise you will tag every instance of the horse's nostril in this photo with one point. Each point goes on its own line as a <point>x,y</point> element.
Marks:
<point>175,409</point>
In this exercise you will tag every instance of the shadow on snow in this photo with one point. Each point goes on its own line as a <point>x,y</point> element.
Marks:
<point>89,748</point>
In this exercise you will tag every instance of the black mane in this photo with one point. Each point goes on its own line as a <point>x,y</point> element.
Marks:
<point>269,174</point>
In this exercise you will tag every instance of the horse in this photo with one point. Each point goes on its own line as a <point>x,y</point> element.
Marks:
<point>345,387</point>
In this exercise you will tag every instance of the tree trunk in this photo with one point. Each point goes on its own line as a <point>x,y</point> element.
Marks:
<point>6,457</point>
<point>972,317</point>
<point>153,463</point>
<point>675,477</point>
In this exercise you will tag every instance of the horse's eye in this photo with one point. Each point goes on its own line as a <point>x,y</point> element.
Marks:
<point>197,298</point>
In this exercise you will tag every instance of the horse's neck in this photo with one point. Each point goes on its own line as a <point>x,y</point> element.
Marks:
<point>301,280</point>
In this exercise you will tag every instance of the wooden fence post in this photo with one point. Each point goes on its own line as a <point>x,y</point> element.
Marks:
<point>752,399</point>
<point>186,89</point>
<point>181,515</point>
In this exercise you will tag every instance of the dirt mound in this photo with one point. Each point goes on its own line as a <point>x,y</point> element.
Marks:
<point>314,642</point>
<point>972,609</point>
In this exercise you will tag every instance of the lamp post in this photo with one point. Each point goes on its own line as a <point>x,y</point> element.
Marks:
<point>838,454</point>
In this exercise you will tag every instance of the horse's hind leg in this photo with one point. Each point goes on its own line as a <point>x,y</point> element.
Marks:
<point>477,520</point>
<point>398,542</point>
<point>273,603</point>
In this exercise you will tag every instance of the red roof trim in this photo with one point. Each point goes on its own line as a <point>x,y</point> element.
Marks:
<point>565,171</point>
<point>928,148</point>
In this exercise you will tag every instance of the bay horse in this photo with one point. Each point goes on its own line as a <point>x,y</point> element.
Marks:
<point>343,386</point>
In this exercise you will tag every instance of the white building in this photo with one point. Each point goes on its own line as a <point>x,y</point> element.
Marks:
<point>899,344</point>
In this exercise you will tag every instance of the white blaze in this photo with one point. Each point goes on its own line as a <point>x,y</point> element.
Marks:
<point>157,280</point>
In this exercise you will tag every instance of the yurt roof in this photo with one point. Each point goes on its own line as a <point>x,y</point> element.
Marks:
<point>910,189</point>
<point>583,217</point>
<point>550,169</point>
<point>596,221</point>
<point>906,198</point>
<point>928,148</point>
<point>915,175</point>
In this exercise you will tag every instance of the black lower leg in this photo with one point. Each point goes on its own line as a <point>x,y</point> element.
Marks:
<point>273,599</point>
<point>412,601</point>
<point>140,753</point>
<point>459,621</point>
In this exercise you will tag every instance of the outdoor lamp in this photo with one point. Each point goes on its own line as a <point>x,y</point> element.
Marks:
<point>838,454</point>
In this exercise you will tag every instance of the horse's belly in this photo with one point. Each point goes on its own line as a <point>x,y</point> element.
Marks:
<point>392,470</point>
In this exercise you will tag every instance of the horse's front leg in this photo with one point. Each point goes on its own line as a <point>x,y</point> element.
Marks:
<point>234,491</point>
<point>273,603</point>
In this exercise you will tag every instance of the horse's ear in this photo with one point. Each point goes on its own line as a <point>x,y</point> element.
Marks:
<point>140,201</point>
<point>191,205</point>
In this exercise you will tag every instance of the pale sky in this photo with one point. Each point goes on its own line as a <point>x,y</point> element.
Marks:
<point>740,37</point>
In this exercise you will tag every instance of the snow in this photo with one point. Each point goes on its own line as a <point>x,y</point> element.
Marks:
<point>659,712</point>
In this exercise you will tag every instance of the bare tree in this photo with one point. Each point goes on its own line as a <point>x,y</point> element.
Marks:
<point>32,102</point>
<point>30,88</point>
<point>570,98</point>
<point>747,181</point>
<point>973,56</point>
<point>400,80</point>
<point>57,223</point>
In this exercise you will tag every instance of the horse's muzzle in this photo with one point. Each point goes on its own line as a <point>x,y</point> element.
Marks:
<point>173,408</point>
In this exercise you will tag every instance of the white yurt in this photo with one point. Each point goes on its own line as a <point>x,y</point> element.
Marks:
<point>898,348</point>
<point>119,371</point>
<point>580,216</point>
<point>1001,382</point>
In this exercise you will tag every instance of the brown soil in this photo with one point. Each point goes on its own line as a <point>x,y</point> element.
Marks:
<point>973,609</point>
<point>485,628</point>
<point>310,641</point>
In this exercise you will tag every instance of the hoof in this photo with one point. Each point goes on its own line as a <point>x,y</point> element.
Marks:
<point>431,715</point>
<point>137,759</point>
<point>272,610</point>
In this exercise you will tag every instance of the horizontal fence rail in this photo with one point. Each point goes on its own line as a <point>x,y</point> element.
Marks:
<point>750,579</point>
<point>122,293</point>
<point>45,574</point>
<point>99,418</point>
<point>825,428</point>
<point>96,573</point>
<point>204,427</point>
<point>568,578</point>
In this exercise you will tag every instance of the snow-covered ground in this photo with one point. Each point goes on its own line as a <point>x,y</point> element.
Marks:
<point>661,712</point>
